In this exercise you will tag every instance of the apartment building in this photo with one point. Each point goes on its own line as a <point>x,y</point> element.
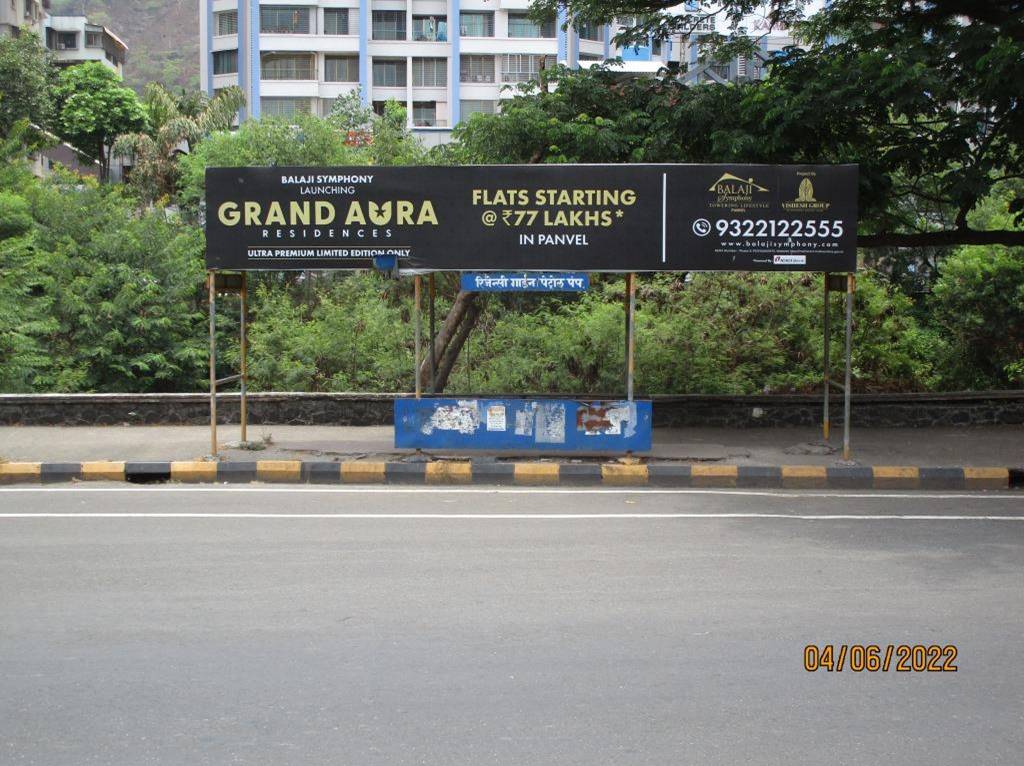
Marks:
<point>74,40</point>
<point>740,68</point>
<point>17,14</point>
<point>444,59</point>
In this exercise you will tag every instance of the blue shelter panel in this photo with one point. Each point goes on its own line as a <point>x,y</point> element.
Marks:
<point>541,425</point>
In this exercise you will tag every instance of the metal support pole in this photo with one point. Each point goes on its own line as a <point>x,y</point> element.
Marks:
<point>631,334</point>
<point>625,334</point>
<point>417,289</point>
<point>212,282</point>
<point>828,371</point>
<point>244,353</point>
<point>849,346</point>
<point>433,334</point>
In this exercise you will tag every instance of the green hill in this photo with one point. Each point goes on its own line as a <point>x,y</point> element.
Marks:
<point>162,36</point>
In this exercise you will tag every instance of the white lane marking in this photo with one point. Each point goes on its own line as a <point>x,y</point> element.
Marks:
<point>515,516</point>
<point>420,489</point>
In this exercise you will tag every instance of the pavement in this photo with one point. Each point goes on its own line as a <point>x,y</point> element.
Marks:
<point>966,446</point>
<point>175,624</point>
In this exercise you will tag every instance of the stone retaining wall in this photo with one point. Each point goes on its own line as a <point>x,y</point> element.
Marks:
<point>888,410</point>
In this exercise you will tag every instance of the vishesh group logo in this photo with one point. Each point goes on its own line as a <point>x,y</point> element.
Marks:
<point>805,199</point>
<point>731,191</point>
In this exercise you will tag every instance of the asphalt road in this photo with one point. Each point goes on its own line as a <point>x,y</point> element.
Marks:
<point>644,628</point>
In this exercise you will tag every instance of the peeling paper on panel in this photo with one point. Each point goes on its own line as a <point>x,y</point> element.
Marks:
<point>613,419</point>
<point>524,420</point>
<point>550,423</point>
<point>463,417</point>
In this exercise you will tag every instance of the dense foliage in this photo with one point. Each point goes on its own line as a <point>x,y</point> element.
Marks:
<point>102,286</point>
<point>101,297</point>
<point>94,108</point>
<point>26,77</point>
<point>925,97</point>
<point>176,124</point>
<point>96,296</point>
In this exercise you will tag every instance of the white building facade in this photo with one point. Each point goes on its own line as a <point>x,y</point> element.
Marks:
<point>73,39</point>
<point>16,15</point>
<point>444,59</point>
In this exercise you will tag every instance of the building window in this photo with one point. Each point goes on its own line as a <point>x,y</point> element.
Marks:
<point>722,70</point>
<point>476,69</point>
<point>285,107</point>
<point>66,41</point>
<point>287,66</point>
<point>336,21</point>
<point>430,73</point>
<point>327,106</point>
<point>341,69</point>
<point>389,25</point>
<point>476,24</point>
<point>389,73</point>
<point>589,31</point>
<point>227,22</point>
<point>430,29</point>
<point>590,57</point>
<point>656,47</point>
<point>225,62</point>
<point>284,20</point>
<point>424,114</point>
<point>521,67</point>
<point>93,38</point>
<point>521,25</point>
<point>469,107</point>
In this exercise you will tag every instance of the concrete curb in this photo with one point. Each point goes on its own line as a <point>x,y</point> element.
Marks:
<point>448,472</point>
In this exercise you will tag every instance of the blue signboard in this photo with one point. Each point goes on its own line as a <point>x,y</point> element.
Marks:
<point>538,425</point>
<point>525,282</point>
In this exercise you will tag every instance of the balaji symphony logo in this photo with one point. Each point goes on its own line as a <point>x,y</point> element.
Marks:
<point>738,193</point>
<point>805,197</point>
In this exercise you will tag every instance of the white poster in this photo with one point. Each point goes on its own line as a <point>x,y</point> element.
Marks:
<point>496,417</point>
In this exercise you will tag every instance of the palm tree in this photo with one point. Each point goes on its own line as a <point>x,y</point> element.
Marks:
<point>176,124</point>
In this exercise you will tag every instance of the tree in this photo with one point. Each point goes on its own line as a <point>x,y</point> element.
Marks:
<point>112,297</point>
<point>924,96</point>
<point>173,123</point>
<point>392,142</point>
<point>308,140</point>
<point>977,305</point>
<point>352,117</point>
<point>26,76</point>
<point>593,115</point>
<point>94,108</point>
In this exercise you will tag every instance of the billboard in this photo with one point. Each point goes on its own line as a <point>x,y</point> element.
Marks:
<point>535,217</point>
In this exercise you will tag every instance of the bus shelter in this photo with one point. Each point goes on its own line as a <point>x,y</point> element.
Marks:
<point>538,228</point>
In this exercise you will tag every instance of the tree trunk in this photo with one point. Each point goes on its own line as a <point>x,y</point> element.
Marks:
<point>104,164</point>
<point>451,353</point>
<point>457,324</point>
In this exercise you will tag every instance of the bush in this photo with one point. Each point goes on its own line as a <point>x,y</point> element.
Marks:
<point>977,305</point>
<point>113,296</point>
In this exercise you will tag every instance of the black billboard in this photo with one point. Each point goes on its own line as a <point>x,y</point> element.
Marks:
<point>535,217</point>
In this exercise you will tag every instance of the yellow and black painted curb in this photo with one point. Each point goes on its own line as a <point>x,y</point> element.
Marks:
<point>530,474</point>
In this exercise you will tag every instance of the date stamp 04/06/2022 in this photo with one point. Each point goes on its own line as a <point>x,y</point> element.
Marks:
<point>881,658</point>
